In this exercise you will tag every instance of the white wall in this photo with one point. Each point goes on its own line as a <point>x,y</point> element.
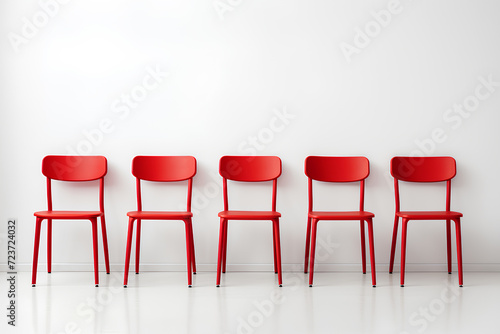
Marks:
<point>230,70</point>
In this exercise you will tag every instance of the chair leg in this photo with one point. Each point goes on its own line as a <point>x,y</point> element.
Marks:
<point>459,252</point>
<point>193,259</point>
<point>96,253</point>
<point>49,245</point>
<point>308,243</point>
<point>372,251</point>
<point>38,224</point>
<point>137,246</point>
<point>314,227</point>
<point>188,252</point>
<point>363,245</point>
<point>274,250</point>
<point>221,249</point>
<point>105,243</point>
<point>393,246</point>
<point>277,243</point>
<point>403,250</point>
<point>128,250</point>
<point>448,244</point>
<point>224,249</point>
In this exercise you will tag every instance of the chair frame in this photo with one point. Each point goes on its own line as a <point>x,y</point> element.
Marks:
<point>58,167</point>
<point>344,175</point>
<point>243,162</point>
<point>421,173</point>
<point>143,171</point>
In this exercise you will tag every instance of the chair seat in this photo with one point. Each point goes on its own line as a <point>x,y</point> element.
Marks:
<point>249,215</point>
<point>428,215</point>
<point>68,214</point>
<point>340,215</point>
<point>160,214</point>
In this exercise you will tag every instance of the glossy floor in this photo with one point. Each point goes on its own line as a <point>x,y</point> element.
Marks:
<point>253,303</point>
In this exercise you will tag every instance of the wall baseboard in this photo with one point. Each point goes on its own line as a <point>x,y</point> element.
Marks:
<point>345,267</point>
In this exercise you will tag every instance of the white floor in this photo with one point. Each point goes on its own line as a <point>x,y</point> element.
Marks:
<point>249,302</point>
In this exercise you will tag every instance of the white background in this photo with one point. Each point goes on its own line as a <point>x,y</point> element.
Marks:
<point>229,71</point>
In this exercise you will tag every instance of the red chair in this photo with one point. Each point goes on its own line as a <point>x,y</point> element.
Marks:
<point>427,169</point>
<point>249,169</point>
<point>162,169</point>
<point>338,169</point>
<point>78,169</point>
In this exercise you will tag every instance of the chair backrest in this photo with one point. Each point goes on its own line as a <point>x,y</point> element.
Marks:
<point>423,169</point>
<point>250,169</point>
<point>337,169</point>
<point>164,169</point>
<point>76,169</point>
